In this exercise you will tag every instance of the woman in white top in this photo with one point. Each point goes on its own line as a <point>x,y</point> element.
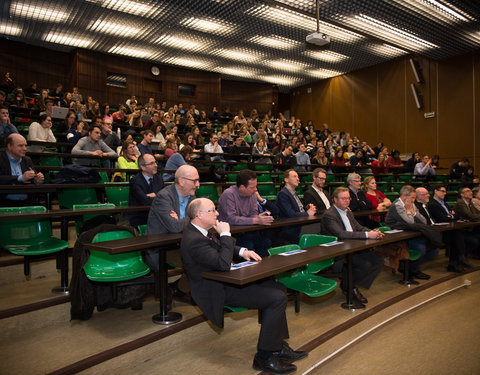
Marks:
<point>158,136</point>
<point>41,132</point>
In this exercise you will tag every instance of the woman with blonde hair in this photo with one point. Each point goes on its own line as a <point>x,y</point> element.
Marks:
<point>379,201</point>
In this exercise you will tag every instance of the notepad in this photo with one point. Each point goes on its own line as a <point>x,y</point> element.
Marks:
<point>242,265</point>
<point>394,231</point>
<point>292,252</point>
<point>333,243</point>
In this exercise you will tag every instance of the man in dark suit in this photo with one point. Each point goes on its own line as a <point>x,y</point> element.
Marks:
<point>358,199</point>
<point>338,221</point>
<point>143,188</point>
<point>464,207</point>
<point>16,168</point>
<point>316,195</point>
<point>290,205</point>
<point>202,252</point>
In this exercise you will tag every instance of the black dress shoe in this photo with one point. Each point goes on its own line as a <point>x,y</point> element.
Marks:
<point>359,296</point>
<point>288,354</point>
<point>421,276</point>
<point>274,365</point>
<point>453,268</point>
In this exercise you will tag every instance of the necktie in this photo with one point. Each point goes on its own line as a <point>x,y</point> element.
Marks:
<point>150,181</point>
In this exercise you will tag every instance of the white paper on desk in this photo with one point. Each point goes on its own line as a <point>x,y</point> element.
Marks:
<point>394,231</point>
<point>440,223</point>
<point>242,265</point>
<point>291,252</point>
<point>333,243</point>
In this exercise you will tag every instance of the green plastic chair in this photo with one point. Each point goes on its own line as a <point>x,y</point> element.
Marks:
<point>28,237</point>
<point>412,256</point>
<point>267,191</point>
<point>405,178</point>
<point>104,267</point>
<point>79,222</point>
<point>235,309</point>
<point>232,177</point>
<point>331,178</point>
<point>442,178</point>
<point>103,176</point>
<point>392,195</point>
<point>207,191</point>
<point>69,197</point>
<point>389,178</point>
<point>309,240</point>
<point>307,178</point>
<point>299,190</point>
<point>300,280</point>
<point>117,195</point>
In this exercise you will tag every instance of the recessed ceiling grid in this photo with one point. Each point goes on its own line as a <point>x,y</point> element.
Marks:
<point>250,39</point>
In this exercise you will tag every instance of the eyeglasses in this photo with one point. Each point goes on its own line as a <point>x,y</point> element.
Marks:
<point>208,210</point>
<point>151,163</point>
<point>320,178</point>
<point>345,198</point>
<point>442,191</point>
<point>194,180</point>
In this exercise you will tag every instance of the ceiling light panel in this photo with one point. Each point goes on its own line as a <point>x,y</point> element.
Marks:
<point>324,73</point>
<point>37,12</point>
<point>389,33</point>
<point>129,7</point>
<point>289,66</point>
<point>435,10</point>
<point>280,80</point>
<point>384,50</point>
<point>290,18</point>
<point>327,56</point>
<point>131,51</point>
<point>9,29</point>
<point>275,41</point>
<point>181,43</point>
<point>67,40</point>
<point>113,28</point>
<point>238,55</point>
<point>236,72</point>
<point>209,26</point>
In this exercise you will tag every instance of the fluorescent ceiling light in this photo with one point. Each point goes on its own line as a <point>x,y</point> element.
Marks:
<point>37,12</point>
<point>300,21</point>
<point>113,28</point>
<point>279,80</point>
<point>324,73</point>
<point>385,50</point>
<point>435,10</point>
<point>389,33</point>
<point>236,72</point>
<point>9,29</point>
<point>129,51</point>
<point>127,6</point>
<point>187,62</point>
<point>177,42</point>
<point>208,26</point>
<point>328,56</point>
<point>240,56</point>
<point>288,65</point>
<point>67,40</point>
<point>275,41</point>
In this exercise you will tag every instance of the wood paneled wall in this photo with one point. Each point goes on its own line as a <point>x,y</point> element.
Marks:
<point>248,95</point>
<point>377,104</point>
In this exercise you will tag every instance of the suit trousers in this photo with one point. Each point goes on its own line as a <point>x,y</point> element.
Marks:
<point>366,265</point>
<point>270,297</point>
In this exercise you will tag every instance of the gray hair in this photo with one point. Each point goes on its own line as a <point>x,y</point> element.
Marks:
<point>353,176</point>
<point>407,190</point>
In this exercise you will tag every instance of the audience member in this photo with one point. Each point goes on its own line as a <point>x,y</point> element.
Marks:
<point>458,169</point>
<point>92,145</point>
<point>316,195</point>
<point>290,205</point>
<point>108,136</point>
<point>17,168</point>
<point>286,159</point>
<point>144,186</point>
<point>238,206</point>
<point>176,161</point>
<point>338,221</point>
<point>424,169</point>
<point>6,127</point>
<point>41,132</point>
<point>200,254</point>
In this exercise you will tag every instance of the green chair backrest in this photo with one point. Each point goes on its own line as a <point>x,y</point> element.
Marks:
<point>207,191</point>
<point>404,177</point>
<point>231,177</point>
<point>308,240</point>
<point>267,190</point>
<point>105,267</point>
<point>239,167</point>
<point>331,178</point>
<point>262,167</point>
<point>142,229</point>
<point>103,176</point>
<point>117,194</point>
<point>68,197</point>
<point>24,231</point>
<point>264,178</point>
<point>79,223</point>
<point>50,161</point>
<point>308,178</point>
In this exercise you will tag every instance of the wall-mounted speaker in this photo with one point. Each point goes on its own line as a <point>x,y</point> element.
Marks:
<point>417,96</point>
<point>417,70</point>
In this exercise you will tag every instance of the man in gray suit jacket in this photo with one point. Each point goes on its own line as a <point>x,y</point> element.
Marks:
<point>167,213</point>
<point>338,221</point>
<point>201,252</point>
